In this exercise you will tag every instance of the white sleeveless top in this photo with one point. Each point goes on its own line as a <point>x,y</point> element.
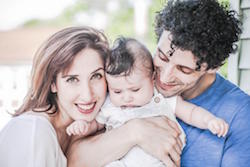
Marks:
<point>30,141</point>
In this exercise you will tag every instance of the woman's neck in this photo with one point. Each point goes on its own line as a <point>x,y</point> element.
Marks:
<point>60,124</point>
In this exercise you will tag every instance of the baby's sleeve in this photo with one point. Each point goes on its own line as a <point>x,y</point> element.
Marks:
<point>101,117</point>
<point>171,101</point>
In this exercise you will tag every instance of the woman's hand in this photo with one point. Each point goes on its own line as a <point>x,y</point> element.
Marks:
<point>159,137</point>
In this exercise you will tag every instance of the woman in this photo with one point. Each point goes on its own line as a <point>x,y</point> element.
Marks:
<point>67,84</point>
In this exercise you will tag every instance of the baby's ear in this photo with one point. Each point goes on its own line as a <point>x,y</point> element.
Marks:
<point>53,88</point>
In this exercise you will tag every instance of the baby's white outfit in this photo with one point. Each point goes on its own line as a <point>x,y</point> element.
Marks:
<point>114,117</point>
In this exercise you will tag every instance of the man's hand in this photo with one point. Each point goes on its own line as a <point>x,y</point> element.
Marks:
<point>159,137</point>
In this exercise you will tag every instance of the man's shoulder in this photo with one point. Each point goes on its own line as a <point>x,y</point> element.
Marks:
<point>233,93</point>
<point>224,99</point>
<point>226,90</point>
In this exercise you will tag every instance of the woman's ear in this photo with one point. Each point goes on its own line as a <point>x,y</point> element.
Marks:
<point>53,88</point>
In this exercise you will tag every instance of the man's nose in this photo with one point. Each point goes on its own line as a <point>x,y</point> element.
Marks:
<point>167,73</point>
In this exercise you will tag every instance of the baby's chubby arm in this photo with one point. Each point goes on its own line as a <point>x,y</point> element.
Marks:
<point>200,118</point>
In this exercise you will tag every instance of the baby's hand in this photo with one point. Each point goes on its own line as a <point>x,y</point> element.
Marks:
<point>78,127</point>
<point>218,126</point>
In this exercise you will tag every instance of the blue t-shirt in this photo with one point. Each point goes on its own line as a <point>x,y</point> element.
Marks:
<point>227,101</point>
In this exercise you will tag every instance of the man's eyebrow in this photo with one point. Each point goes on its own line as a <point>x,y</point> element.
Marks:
<point>178,65</point>
<point>162,52</point>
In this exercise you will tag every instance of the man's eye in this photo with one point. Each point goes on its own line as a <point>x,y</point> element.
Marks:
<point>97,76</point>
<point>135,90</point>
<point>72,80</point>
<point>162,56</point>
<point>185,70</point>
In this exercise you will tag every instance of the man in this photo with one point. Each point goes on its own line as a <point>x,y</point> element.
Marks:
<point>195,38</point>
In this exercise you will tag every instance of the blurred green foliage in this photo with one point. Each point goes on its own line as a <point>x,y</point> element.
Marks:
<point>119,23</point>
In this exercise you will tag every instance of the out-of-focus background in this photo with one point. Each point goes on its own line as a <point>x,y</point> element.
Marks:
<point>25,24</point>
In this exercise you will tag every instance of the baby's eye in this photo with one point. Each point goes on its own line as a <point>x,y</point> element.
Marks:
<point>72,80</point>
<point>135,90</point>
<point>117,91</point>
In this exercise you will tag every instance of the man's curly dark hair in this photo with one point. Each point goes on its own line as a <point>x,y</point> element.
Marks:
<point>204,27</point>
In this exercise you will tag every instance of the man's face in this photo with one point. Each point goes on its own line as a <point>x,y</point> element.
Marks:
<point>175,75</point>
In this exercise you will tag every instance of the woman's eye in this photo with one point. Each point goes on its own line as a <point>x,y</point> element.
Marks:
<point>72,80</point>
<point>97,76</point>
<point>135,90</point>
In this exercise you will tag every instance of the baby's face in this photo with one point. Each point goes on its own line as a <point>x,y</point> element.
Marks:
<point>133,90</point>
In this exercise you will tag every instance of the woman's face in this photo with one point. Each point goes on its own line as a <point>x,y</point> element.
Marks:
<point>81,90</point>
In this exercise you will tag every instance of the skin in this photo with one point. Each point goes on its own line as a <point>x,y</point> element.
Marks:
<point>176,74</point>
<point>81,91</point>
<point>129,91</point>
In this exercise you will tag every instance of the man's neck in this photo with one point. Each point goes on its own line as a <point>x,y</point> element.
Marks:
<point>203,84</point>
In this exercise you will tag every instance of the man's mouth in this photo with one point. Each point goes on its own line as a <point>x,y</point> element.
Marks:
<point>166,86</point>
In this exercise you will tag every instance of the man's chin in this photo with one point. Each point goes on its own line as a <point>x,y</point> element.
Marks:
<point>168,93</point>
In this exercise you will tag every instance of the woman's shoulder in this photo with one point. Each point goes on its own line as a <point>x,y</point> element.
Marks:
<point>32,136</point>
<point>30,125</point>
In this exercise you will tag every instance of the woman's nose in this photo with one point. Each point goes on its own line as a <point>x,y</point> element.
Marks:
<point>86,92</point>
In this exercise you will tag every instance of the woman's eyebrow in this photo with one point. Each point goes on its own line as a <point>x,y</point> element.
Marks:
<point>100,68</point>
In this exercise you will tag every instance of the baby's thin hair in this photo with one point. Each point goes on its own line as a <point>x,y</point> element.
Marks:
<point>124,53</point>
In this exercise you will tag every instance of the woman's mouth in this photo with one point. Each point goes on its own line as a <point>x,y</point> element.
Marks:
<point>86,108</point>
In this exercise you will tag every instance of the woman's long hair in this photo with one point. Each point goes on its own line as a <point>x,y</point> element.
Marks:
<point>54,56</point>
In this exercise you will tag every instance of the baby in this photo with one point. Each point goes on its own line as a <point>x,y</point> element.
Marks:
<point>130,78</point>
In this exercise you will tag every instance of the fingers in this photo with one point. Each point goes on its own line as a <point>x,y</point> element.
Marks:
<point>223,128</point>
<point>173,125</point>
<point>77,128</point>
<point>69,130</point>
<point>164,142</point>
<point>219,127</point>
<point>175,144</point>
<point>178,146</point>
<point>226,130</point>
<point>167,124</point>
<point>212,126</point>
<point>167,160</point>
